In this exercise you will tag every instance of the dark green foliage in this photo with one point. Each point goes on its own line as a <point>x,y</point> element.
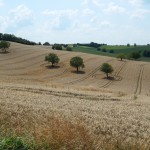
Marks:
<point>134,44</point>
<point>4,45</point>
<point>57,46</point>
<point>128,45</point>
<point>106,68</point>
<point>135,55</point>
<point>104,50</point>
<point>146,53</point>
<point>98,49</point>
<point>68,48</point>
<point>77,62</point>
<point>46,44</point>
<point>13,143</point>
<point>53,58</point>
<point>121,56</point>
<point>111,51</point>
<point>92,44</point>
<point>13,38</point>
<point>39,43</point>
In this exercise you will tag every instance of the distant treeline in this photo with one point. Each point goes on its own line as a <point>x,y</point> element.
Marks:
<point>13,38</point>
<point>92,44</point>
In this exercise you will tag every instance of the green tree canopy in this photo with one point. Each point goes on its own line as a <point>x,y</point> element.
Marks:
<point>135,55</point>
<point>53,58</point>
<point>107,69</point>
<point>77,62</point>
<point>4,45</point>
<point>121,56</point>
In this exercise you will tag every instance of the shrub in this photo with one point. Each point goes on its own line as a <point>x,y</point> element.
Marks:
<point>53,58</point>
<point>69,48</point>
<point>77,62</point>
<point>106,68</point>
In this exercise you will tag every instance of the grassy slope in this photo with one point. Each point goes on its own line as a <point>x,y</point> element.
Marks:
<point>117,49</point>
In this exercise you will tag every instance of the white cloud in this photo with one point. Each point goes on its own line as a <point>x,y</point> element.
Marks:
<point>20,13</point>
<point>92,2</point>
<point>68,12</point>
<point>4,22</point>
<point>1,3</point>
<point>112,8</point>
<point>136,3</point>
<point>105,24</point>
<point>140,13</point>
<point>88,12</point>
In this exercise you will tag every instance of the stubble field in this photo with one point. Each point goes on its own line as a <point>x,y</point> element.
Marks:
<point>31,92</point>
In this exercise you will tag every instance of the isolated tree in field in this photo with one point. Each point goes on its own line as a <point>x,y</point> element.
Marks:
<point>107,69</point>
<point>4,45</point>
<point>121,56</point>
<point>53,58</point>
<point>77,62</point>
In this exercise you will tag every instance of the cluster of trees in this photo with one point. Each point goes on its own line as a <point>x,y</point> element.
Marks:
<point>4,46</point>
<point>77,62</point>
<point>57,47</point>
<point>146,53</point>
<point>92,44</point>
<point>46,44</point>
<point>133,55</point>
<point>13,38</point>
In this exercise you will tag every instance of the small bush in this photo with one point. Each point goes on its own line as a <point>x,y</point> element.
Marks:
<point>13,143</point>
<point>68,48</point>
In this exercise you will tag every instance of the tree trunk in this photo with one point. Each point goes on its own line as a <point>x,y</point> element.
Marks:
<point>121,59</point>
<point>107,75</point>
<point>77,69</point>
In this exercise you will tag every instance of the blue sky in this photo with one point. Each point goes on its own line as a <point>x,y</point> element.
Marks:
<point>72,21</point>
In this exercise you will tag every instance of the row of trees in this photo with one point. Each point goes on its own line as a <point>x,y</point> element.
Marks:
<point>77,62</point>
<point>133,55</point>
<point>13,38</point>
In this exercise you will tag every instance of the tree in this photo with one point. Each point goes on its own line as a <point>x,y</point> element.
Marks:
<point>46,44</point>
<point>135,55</point>
<point>69,48</point>
<point>57,46</point>
<point>77,62</point>
<point>4,45</point>
<point>128,45</point>
<point>134,44</point>
<point>53,58</point>
<point>121,56</point>
<point>106,68</point>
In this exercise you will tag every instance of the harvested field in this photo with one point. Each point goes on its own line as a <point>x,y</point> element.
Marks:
<point>31,92</point>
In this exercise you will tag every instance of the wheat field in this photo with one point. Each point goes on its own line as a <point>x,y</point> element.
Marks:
<point>106,111</point>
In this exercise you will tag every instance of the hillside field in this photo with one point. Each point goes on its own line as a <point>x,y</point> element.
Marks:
<point>117,49</point>
<point>72,110</point>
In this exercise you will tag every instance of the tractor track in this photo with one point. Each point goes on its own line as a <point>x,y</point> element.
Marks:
<point>138,88</point>
<point>115,75</point>
<point>88,75</point>
<point>22,55</point>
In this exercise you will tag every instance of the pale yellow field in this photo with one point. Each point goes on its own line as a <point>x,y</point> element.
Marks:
<point>117,108</point>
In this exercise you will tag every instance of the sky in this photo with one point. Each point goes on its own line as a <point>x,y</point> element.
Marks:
<point>77,21</point>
